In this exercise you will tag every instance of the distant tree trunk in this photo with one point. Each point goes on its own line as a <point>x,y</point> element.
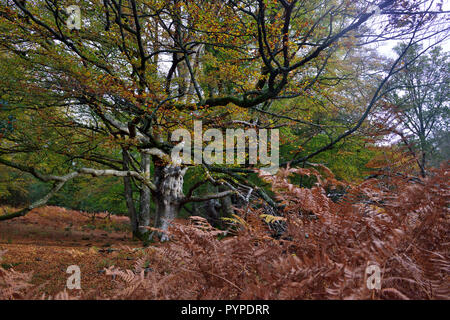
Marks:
<point>422,167</point>
<point>212,207</point>
<point>129,196</point>
<point>169,181</point>
<point>144,202</point>
<point>215,209</point>
<point>423,152</point>
<point>139,220</point>
<point>226,204</point>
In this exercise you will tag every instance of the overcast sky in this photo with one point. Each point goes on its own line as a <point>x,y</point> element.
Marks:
<point>386,48</point>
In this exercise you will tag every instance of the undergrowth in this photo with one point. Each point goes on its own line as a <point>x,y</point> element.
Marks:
<point>397,223</point>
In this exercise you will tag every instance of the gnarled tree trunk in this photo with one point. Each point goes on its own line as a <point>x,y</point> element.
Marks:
<point>169,181</point>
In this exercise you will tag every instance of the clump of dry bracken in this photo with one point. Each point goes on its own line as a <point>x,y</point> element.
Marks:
<point>397,223</point>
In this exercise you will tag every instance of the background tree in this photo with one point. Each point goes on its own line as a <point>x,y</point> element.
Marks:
<point>419,104</point>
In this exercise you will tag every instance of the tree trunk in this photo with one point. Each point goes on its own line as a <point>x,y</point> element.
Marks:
<point>130,205</point>
<point>169,181</point>
<point>139,220</point>
<point>129,196</point>
<point>423,151</point>
<point>144,201</point>
<point>226,204</point>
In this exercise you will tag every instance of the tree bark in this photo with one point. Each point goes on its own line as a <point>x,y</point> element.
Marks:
<point>140,221</point>
<point>226,204</point>
<point>169,181</point>
<point>144,207</point>
<point>423,146</point>
<point>129,197</point>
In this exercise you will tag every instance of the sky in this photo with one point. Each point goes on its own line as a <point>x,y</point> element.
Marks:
<point>387,48</point>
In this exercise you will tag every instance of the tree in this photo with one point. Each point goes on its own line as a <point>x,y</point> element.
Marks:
<point>419,103</point>
<point>102,100</point>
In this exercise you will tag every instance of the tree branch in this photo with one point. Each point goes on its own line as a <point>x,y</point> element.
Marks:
<point>207,197</point>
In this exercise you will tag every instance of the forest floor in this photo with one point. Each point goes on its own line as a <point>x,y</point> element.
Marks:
<point>48,240</point>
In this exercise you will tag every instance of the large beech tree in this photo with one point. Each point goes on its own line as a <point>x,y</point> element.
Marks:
<point>102,100</point>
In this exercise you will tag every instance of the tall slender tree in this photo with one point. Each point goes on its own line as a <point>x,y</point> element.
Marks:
<point>419,103</point>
